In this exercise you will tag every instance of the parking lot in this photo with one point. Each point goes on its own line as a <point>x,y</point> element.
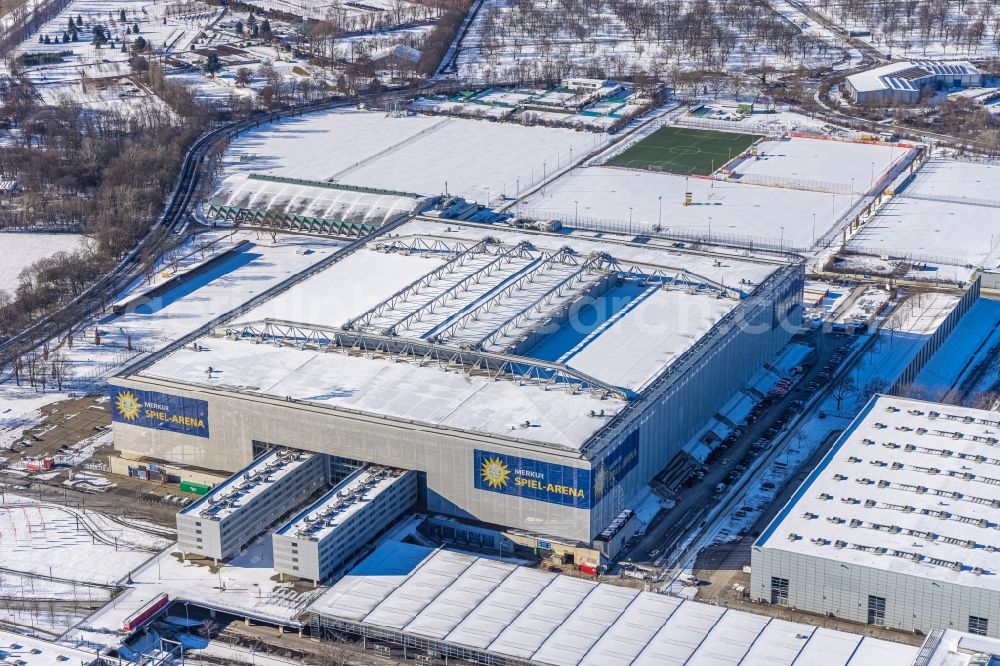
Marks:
<point>697,487</point>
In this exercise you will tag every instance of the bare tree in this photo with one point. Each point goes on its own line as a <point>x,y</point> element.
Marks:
<point>843,388</point>
<point>60,369</point>
<point>871,388</point>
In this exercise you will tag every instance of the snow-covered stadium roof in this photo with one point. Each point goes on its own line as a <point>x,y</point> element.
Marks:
<point>545,618</point>
<point>314,199</point>
<point>912,487</point>
<point>908,75</point>
<point>430,292</point>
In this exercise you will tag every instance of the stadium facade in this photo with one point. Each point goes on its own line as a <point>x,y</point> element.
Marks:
<point>537,381</point>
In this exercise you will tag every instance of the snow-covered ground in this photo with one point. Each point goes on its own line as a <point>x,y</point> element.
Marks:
<point>18,250</point>
<point>245,586</point>
<point>422,154</point>
<point>768,214</point>
<point>961,39</point>
<point>247,273</point>
<point>937,232</point>
<point>956,178</point>
<point>525,38</point>
<point>169,27</point>
<point>814,164</point>
<point>974,343</point>
<point>62,542</point>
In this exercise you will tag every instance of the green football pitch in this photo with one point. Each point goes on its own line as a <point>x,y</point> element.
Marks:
<point>684,150</point>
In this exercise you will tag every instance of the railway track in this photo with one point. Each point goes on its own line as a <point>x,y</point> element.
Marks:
<point>85,523</point>
<point>175,217</point>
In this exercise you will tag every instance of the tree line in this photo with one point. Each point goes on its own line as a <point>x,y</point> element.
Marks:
<point>105,172</point>
<point>545,39</point>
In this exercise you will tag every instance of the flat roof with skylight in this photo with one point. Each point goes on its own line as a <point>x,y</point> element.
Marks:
<point>239,490</point>
<point>912,487</point>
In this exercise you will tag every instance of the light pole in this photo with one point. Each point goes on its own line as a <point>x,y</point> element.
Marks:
<point>630,219</point>
<point>709,228</point>
<point>576,212</point>
<point>782,243</point>
<point>814,228</point>
<point>659,214</point>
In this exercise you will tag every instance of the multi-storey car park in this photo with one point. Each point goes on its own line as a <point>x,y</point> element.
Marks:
<point>897,526</point>
<point>535,380</point>
<point>236,511</point>
<point>321,538</point>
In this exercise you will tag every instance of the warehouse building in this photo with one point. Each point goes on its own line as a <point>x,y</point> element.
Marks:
<point>535,380</point>
<point>324,536</point>
<point>908,81</point>
<point>235,512</point>
<point>897,526</point>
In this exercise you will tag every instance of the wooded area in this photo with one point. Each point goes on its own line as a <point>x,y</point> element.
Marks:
<point>107,173</point>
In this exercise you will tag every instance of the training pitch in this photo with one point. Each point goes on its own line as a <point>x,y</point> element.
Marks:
<point>684,150</point>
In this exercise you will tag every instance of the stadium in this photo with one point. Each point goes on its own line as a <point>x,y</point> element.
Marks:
<point>536,381</point>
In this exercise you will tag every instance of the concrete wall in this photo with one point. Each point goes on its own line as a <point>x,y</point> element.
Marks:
<point>990,280</point>
<point>937,339</point>
<point>679,404</point>
<point>822,585</point>
<point>445,455</point>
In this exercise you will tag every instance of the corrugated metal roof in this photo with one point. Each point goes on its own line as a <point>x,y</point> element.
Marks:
<point>558,620</point>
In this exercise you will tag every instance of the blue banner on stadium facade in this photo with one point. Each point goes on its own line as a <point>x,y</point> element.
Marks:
<point>161,411</point>
<point>612,470</point>
<point>532,479</point>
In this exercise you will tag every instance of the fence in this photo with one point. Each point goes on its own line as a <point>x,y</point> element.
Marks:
<point>898,254</point>
<point>333,186</point>
<point>950,198</point>
<point>936,340</point>
<point>674,233</point>
<point>771,130</point>
<point>829,187</point>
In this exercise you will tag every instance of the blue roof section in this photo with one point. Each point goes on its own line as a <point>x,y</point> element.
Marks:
<point>392,558</point>
<point>793,500</point>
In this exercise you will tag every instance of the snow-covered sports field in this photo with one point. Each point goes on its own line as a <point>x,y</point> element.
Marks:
<point>814,163</point>
<point>725,209</point>
<point>947,215</point>
<point>421,154</point>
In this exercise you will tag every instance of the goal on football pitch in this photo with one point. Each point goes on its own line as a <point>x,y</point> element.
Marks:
<point>684,150</point>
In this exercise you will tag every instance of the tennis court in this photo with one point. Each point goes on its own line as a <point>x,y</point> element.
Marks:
<point>684,150</point>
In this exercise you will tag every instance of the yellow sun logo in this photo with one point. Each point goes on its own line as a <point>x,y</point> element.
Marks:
<point>127,405</point>
<point>495,472</point>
